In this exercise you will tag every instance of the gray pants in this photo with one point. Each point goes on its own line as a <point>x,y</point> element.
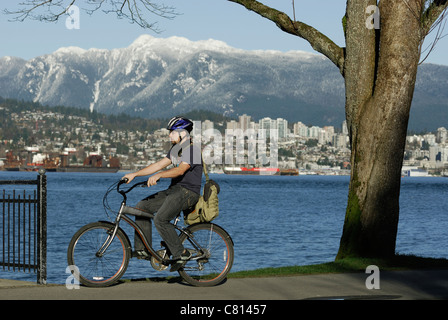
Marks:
<point>166,205</point>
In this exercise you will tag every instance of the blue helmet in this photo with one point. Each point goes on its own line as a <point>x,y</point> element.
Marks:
<point>180,123</point>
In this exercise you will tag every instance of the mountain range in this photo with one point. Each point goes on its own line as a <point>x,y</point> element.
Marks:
<point>162,77</point>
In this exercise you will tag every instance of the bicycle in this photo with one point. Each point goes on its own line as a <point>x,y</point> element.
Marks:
<point>101,250</point>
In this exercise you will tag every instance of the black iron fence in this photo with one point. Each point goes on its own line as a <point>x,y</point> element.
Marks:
<point>23,222</point>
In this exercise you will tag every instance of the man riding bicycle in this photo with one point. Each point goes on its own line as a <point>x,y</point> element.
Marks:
<point>183,192</point>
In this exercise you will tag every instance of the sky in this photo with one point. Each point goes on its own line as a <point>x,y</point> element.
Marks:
<point>196,20</point>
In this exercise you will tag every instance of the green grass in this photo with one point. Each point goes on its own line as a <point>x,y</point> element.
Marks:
<point>398,262</point>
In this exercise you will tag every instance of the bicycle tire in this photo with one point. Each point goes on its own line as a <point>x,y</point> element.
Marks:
<point>212,269</point>
<point>93,271</point>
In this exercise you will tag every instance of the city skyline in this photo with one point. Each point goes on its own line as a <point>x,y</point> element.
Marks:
<point>318,149</point>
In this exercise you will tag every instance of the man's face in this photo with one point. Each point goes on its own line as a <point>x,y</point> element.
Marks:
<point>175,136</point>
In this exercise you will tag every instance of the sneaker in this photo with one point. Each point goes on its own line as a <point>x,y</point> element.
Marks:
<point>181,261</point>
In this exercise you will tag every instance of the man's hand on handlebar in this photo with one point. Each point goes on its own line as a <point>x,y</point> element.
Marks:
<point>128,177</point>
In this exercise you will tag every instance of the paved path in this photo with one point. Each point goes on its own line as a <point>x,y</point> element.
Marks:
<point>407,285</point>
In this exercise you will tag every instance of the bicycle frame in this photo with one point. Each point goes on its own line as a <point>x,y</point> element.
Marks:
<point>122,215</point>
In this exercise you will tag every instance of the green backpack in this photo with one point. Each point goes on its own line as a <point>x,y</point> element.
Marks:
<point>207,208</point>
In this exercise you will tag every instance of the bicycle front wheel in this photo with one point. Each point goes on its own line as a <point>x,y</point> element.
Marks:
<point>91,269</point>
<point>210,263</point>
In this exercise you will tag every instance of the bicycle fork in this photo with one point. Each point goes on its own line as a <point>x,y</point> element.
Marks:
<point>111,235</point>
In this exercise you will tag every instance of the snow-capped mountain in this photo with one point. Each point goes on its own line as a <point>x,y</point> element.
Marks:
<point>156,77</point>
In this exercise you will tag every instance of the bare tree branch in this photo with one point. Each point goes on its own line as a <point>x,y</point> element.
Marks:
<point>433,18</point>
<point>440,26</point>
<point>317,40</point>
<point>31,6</point>
<point>135,11</point>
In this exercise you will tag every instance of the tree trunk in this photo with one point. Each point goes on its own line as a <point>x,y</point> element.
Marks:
<point>379,95</point>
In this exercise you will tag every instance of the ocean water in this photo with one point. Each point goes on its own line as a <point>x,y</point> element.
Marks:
<point>273,220</point>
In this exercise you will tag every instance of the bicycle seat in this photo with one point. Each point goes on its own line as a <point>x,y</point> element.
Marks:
<point>137,212</point>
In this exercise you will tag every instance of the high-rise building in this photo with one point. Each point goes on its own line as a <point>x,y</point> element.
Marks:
<point>232,125</point>
<point>300,129</point>
<point>442,135</point>
<point>266,124</point>
<point>244,122</point>
<point>282,127</point>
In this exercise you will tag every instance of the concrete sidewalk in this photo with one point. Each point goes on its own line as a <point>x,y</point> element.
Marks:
<point>404,285</point>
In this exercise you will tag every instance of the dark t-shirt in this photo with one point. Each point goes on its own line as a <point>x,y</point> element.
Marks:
<point>190,154</point>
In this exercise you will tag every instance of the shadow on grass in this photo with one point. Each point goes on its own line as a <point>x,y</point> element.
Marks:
<point>398,262</point>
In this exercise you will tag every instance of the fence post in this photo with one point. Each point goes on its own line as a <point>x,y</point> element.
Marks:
<point>42,228</point>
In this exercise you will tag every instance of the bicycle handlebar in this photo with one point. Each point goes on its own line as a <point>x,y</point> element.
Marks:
<point>121,192</point>
<point>123,181</point>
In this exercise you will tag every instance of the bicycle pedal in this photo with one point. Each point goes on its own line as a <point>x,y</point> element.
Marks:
<point>159,265</point>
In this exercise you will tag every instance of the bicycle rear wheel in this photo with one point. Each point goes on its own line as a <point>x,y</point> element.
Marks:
<point>95,271</point>
<point>210,265</point>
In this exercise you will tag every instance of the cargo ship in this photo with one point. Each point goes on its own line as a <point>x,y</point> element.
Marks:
<point>261,171</point>
<point>91,164</point>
